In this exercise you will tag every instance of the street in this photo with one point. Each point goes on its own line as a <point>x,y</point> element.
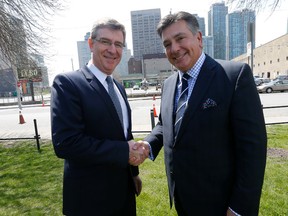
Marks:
<point>141,118</point>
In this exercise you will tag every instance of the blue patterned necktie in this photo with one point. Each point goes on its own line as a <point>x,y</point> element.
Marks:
<point>182,103</point>
<point>114,98</point>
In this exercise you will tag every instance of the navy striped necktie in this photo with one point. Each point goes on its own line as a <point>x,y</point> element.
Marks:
<point>114,98</point>
<point>182,103</point>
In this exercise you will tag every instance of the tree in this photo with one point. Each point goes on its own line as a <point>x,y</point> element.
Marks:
<point>256,4</point>
<point>24,29</point>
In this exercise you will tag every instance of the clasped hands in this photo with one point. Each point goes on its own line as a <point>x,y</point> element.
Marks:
<point>138,152</point>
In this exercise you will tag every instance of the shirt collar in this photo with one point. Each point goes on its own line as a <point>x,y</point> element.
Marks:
<point>194,71</point>
<point>97,73</point>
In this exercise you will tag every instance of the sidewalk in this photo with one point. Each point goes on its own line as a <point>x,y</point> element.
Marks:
<point>27,104</point>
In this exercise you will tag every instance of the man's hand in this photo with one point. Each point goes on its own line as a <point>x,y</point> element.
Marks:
<point>138,152</point>
<point>138,184</point>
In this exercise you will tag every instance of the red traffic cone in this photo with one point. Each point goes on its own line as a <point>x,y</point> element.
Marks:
<point>154,110</point>
<point>21,119</point>
<point>43,104</point>
<point>153,97</point>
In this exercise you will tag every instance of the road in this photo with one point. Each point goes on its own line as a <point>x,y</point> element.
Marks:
<point>141,118</point>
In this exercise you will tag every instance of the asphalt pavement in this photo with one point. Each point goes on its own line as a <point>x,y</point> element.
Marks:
<point>10,118</point>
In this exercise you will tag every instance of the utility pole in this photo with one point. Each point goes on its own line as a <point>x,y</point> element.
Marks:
<point>251,40</point>
<point>18,84</point>
<point>72,64</point>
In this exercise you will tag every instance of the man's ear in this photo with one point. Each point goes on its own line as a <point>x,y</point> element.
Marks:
<point>90,42</point>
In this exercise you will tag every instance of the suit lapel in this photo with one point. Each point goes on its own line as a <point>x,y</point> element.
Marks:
<point>167,107</point>
<point>170,98</point>
<point>200,89</point>
<point>124,96</point>
<point>95,83</point>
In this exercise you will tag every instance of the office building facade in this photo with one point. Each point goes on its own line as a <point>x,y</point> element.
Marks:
<point>217,28</point>
<point>84,53</point>
<point>144,36</point>
<point>269,60</point>
<point>208,45</point>
<point>201,21</point>
<point>237,32</point>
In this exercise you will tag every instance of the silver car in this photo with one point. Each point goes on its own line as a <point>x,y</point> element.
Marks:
<point>279,85</point>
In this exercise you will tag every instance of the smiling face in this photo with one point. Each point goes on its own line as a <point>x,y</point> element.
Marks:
<point>106,54</point>
<point>182,47</point>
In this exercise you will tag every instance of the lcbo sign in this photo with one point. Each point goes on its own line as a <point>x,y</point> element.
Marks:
<point>34,74</point>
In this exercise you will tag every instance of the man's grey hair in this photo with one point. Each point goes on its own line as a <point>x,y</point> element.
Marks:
<point>107,23</point>
<point>191,21</point>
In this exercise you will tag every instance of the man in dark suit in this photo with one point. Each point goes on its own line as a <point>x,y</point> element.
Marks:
<point>212,130</point>
<point>91,130</point>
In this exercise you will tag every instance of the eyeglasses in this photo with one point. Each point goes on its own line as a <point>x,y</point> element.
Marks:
<point>109,43</point>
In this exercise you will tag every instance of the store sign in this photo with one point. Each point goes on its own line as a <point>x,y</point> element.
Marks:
<point>34,74</point>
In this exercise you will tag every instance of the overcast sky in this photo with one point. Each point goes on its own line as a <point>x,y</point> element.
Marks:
<point>71,25</point>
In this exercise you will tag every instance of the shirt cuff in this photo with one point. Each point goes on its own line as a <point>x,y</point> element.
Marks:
<point>151,156</point>
<point>234,212</point>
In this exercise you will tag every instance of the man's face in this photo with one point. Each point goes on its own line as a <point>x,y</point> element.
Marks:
<point>182,47</point>
<point>107,49</point>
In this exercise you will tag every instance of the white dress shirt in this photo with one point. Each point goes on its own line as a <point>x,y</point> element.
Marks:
<point>102,78</point>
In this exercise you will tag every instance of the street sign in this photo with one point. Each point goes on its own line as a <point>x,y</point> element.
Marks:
<point>249,49</point>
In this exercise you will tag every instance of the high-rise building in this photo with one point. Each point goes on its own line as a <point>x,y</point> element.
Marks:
<point>43,71</point>
<point>122,67</point>
<point>237,32</point>
<point>201,22</point>
<point>217,28</point>
<point>84,53</point>
<point>144,36</point>
<point>208,45</point>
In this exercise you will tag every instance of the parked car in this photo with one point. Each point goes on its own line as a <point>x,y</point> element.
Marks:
<point>281,77</point>
<point>280,85</point>
<point>259,81</point>
<point>158,86</point>
<point>136,87</point>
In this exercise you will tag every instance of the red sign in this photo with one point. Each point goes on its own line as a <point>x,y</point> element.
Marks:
<point>18,84</point>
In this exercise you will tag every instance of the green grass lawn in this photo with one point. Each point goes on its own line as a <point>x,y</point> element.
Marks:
<point>31,182</point>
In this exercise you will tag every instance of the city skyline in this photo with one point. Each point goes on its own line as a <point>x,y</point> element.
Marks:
<point>66,34</point>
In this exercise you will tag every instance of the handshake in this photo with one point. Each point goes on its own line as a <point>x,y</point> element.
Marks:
<point>138,152</point>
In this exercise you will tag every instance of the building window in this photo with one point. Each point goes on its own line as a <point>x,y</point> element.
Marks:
<point>278,60</point>
<point>264,63</point>
<point>270,61</point>
<point>268,75</point>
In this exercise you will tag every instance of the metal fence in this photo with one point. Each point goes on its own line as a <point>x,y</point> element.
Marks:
<point>152,117</point>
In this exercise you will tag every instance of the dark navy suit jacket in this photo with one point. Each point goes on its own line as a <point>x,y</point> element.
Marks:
<point>87,133</point>
<point>218,158</point>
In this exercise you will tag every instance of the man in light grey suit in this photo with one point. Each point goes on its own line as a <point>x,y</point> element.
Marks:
<point>215,161</point>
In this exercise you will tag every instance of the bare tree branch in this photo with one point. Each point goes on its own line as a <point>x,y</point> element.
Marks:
<point>256,5</point>
<point>24,28</point>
